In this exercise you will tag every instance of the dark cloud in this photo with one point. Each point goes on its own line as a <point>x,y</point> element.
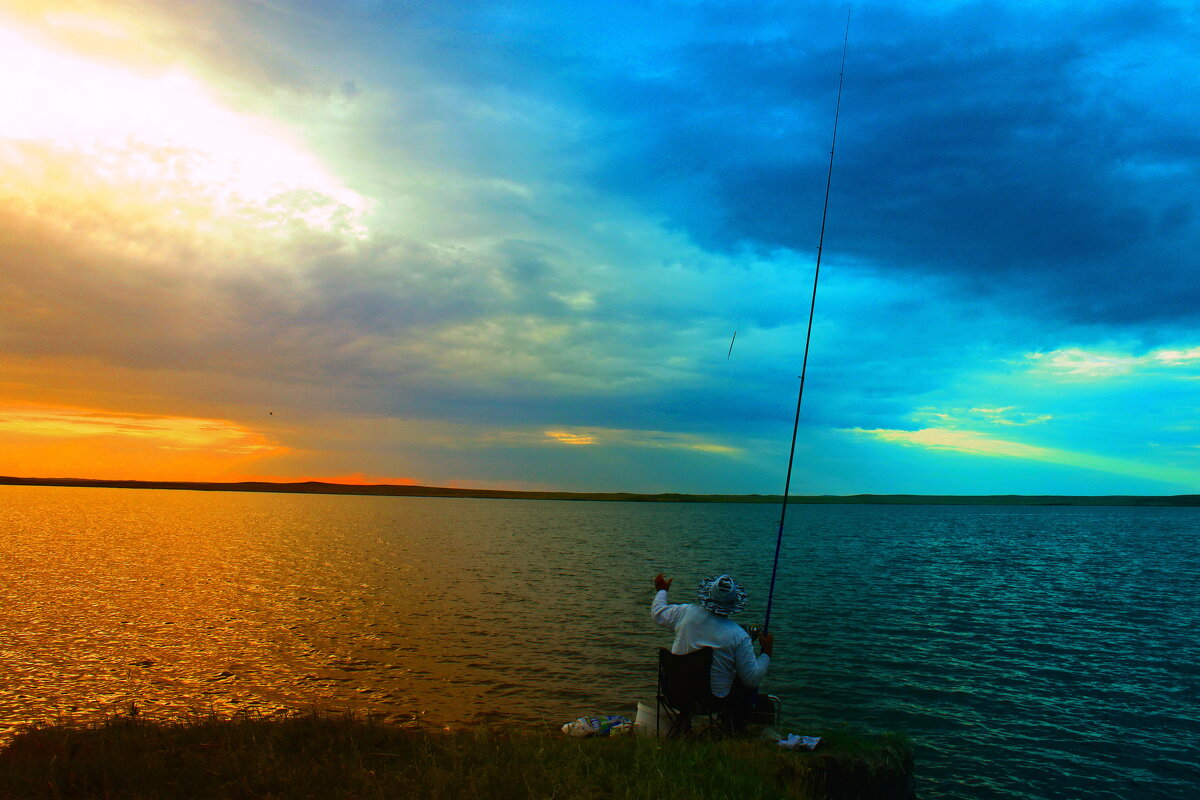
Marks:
<point>1034,152</point>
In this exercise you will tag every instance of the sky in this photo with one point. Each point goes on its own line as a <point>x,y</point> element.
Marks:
<point>509,244</point>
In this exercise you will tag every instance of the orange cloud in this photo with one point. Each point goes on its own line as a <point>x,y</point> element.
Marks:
<point>566,437</point>
<point>43,441</point>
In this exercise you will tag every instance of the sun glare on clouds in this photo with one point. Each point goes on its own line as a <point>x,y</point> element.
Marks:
<point>164,135</point>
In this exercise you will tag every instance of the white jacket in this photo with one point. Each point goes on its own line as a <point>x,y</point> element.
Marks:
<point>696,627</point>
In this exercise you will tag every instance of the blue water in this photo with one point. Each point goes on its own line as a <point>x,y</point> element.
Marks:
<point>1031,652</point>
<point>1028,652</point>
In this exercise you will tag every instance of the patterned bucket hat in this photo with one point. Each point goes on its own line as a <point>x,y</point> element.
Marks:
<point>722,595</point>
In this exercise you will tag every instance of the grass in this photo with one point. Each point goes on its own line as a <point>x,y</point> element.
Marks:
<point>325,756</point>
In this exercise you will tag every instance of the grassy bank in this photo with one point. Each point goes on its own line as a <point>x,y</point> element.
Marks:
<point>320,756</point>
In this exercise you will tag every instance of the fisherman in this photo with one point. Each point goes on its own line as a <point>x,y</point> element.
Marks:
<point>736,671</point>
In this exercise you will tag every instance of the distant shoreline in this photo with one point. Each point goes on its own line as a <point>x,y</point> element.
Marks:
<point>390,490</point>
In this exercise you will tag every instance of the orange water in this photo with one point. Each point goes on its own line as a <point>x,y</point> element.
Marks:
<point>1030,653</point>
<point>417,609</point>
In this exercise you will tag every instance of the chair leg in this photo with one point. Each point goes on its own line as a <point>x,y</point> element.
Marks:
<point>682,725</point>
<point>678,722</point>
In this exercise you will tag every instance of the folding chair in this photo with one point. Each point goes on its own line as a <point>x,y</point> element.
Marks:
<point>685,689</point>
<point>767,712</point>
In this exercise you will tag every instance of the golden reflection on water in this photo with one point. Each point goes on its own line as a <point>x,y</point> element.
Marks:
<point>193,601</point>
<point>1014,644</point>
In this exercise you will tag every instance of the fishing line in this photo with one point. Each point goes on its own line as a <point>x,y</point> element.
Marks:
<point>808,337</point>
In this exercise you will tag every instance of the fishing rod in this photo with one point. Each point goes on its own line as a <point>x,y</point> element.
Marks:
<point>808,337</point>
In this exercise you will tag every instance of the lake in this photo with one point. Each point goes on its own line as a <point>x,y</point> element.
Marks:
<point>1029,652</point>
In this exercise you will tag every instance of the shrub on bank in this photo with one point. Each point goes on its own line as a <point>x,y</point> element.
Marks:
<point>324,756</point>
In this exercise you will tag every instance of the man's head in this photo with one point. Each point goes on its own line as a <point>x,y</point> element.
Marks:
<point>722,595</point>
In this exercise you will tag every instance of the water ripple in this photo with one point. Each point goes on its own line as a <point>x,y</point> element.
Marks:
<point>1031,653</point>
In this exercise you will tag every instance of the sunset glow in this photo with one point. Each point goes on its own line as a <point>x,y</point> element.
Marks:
<point>257,240</point>
<point>67,442</point>
<point>369,368</point>
<point>162,138</point>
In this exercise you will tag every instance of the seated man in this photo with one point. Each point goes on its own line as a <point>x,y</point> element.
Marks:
<point>736,671</point>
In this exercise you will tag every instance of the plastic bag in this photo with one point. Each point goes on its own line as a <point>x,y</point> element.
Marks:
<point>598,726</point>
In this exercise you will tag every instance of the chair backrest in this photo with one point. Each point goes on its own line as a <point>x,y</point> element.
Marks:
<point>685,681</point>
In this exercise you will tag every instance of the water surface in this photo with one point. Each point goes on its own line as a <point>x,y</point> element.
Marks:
<point>1030,652</point>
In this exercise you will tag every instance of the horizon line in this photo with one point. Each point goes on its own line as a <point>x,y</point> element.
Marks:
<point>416,490</point>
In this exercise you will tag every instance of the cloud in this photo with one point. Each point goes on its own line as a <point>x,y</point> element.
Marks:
<point>177,433</point>
<point>1075,362</point>
<point>973,443</point>
<point>501,221</point>
<point>1078,363</point>
<point>1173,357</point>
<point>960,441</point>
<point>570,438</point>
<point>611,438</point>
<point>47,441</point>
<point>966,417</point>
<point>189,236</point>
<point>990,144</point>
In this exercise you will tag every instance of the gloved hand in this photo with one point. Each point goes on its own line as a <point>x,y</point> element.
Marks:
<point>661,583</point>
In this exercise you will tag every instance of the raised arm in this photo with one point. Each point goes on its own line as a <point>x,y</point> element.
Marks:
<point>661,611</point>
